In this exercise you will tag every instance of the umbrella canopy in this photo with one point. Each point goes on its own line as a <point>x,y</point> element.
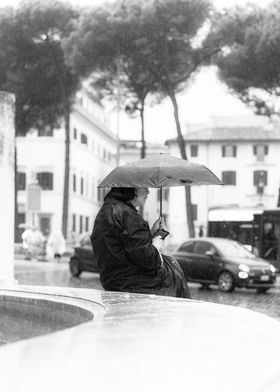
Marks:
<point>159,171</point>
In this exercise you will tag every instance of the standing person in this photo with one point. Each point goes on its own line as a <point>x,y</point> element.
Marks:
<point>25,244</point>
<point>34,241</point>
<point>128,252</point>
<point>55,245</point>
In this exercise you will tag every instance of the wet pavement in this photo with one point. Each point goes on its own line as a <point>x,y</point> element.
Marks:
<point>57,274</point>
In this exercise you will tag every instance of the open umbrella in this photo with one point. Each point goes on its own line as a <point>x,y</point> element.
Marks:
<point>158,171</point>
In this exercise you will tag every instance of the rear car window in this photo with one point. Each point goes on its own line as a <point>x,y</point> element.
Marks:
<point>186,247</point>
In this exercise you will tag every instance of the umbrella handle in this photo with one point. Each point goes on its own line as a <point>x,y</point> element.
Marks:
<point>160,202</point>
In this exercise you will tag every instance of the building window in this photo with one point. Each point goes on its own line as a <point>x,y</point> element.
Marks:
<point>74,183</point>
<point>87,224</point>
<point>45,180</point>
<point>86,187</point>
<point>194,212</point>
<point>229,150</point>
<point>75,133</point>
<point>74,223</point>
<point>260,180</point>
<point>82,186</point>
<point>84,139</point>
<point>81,224</point>
<point>21,181</point>
<point>229,177</point>
<point>260,150</point>
<point>165,194</point>
<point>194,150</point>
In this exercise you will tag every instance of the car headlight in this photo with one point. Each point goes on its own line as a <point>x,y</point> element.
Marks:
<point>244,268</point>
<point>272,268</point>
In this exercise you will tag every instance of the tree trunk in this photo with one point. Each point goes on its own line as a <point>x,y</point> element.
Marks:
<point>143,146</point>
<point>65,207</point>
<point>16,220</point>
<point>143,141</point>
<point>182,148</point>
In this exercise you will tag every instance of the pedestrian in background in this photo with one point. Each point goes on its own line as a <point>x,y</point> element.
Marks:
<point>56,245</point>
<point>33,242</point>
<point>25,242</point>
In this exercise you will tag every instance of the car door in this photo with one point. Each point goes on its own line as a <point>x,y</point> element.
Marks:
<point>205,261</point>
<point>184,256</point>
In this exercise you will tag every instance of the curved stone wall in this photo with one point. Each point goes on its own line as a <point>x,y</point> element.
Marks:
<point>23,316</point>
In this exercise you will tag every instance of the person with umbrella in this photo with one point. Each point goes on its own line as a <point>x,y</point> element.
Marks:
<point>128,252</point>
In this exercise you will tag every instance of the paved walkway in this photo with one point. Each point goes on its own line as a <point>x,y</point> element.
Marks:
<point>57,274</point>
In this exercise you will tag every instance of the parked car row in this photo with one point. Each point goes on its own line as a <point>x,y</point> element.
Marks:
<point>207,260</point>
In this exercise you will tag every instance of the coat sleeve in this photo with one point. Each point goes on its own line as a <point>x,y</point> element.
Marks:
<point>138,243</point>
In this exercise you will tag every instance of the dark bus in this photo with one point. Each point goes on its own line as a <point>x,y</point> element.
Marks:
<point>258,229</point>
<point>266,235</point>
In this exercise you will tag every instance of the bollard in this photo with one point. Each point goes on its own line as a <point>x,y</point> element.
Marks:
<point>7,153</point>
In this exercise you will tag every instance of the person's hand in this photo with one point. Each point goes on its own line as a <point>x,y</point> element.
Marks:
<point>157,225</point>
<point>158,242</point>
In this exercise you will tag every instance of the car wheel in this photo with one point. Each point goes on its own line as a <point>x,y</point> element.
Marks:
<point>226,282</point>
<point>262,290</point>
<point>75,267</point>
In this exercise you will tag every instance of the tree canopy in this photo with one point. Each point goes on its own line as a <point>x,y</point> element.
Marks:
<point>32,62</point>
<point>158,44</point>
<point>250,65</point>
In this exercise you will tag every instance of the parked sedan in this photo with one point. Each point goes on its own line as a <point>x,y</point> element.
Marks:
<point>224,262</point>
<point>83,258</point>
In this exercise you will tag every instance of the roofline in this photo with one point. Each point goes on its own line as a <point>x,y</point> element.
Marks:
<point>172,141</point>
<point>101,127</point>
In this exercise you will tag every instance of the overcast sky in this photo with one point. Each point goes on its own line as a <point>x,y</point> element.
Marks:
<point>205,97</point>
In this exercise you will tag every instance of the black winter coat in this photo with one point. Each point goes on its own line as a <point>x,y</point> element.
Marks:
<point>127,260</point>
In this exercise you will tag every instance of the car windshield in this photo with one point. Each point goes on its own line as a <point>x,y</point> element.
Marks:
<point>234,249</point>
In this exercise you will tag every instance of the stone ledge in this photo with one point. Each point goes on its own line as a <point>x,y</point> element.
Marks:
<point>146,343</point>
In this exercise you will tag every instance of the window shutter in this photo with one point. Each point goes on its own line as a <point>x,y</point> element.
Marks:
<point>234,151</point>
<point>223,151</point>
<point>266,149</point>
<point>229,177</point>
<point>21,181</point>
<point>255,181</point>
<point>260,175</point>
<point>45,180</point>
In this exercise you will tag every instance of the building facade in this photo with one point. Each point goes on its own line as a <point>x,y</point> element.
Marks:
<point>41,160</point>
<point>244,158</point>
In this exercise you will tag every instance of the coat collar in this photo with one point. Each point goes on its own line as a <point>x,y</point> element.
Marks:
<point>112,200</point>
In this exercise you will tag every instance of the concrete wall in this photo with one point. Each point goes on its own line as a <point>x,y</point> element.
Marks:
<point>7,150</point>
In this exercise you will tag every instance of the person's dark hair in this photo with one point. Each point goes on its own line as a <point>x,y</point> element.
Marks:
<point>122,194</point>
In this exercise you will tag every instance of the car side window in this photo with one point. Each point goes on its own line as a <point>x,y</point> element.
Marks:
<point>201,247</point>
<point>186,247</point>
